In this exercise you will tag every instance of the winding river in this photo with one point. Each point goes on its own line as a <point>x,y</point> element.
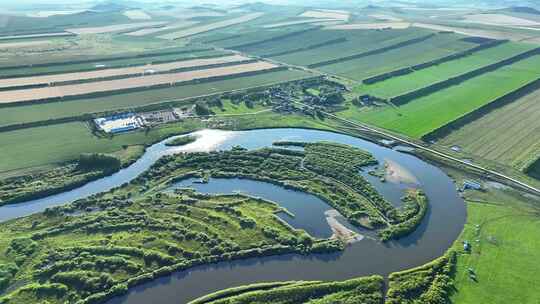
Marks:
<point>441,226</point>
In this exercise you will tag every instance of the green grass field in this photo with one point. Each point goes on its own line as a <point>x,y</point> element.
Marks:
<point>357,42</point>
<point>39,112</point>
<point>509,135</point>
<point>60,143</point>
<point>438,46</point>
<point>505,258</point>
<point>428,113</point>
<point>23,149</point>
<point>422,78</point>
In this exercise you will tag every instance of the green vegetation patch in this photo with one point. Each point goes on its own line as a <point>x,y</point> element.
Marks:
<point>181,141</point>
<point>433,111</point>
<point>98,247</point>
<point>501,266</point>
<point>418,79</point>
<point>363,290</point>
<point>509,134</point>
<point>432,48</point>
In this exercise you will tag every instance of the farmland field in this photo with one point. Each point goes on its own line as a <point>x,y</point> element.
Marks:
<point>125,72</point>
<point>113,28</point>
<point>108,62</point>
<point>418,79</point>
<point>210,27</point>
<point>409,128</point>
<point>357,42</point>
<point>127,84</point>
<point>509,135</point>
<point>168,27</point>
<point>438,46</point>
<point>428,113</point>
<point>39,112</point>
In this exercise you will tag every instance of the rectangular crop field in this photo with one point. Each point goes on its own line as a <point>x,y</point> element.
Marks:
<point>130,71</point>
<point>438,46</point>
<point>433,111</point>
<point>113,28</point>
<point>358,41</point>
<point>128,83</point>
<point>45,111</point>
<point>509,135</point>
<point>210,27</point>
<point>168,27</point>
<point>422,78</point>
<point>104,62</point>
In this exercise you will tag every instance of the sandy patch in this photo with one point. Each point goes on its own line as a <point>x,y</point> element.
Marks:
<point>59,34</point>
<point>137,15</point>
<point>25,44</point>
<point>500,20</point>
<point>113,28</point>
<point>395,173</point>
<point>326,14</point>
<point>212,26</point>
<point>45,14</point>
<point>371,26</point>
<point>130,71</point>
<point>386,17</point>
<point>298,22</point>
<point>172,26</point>
<point>339,230</point>
<point>129,83</point>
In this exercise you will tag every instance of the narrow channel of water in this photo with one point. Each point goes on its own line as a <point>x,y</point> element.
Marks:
<point>441,226</point>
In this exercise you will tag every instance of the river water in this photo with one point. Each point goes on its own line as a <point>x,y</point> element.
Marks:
<point>441,226</point>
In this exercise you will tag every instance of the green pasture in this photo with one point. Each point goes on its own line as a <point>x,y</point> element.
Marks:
<point>432,48</point>
<point>504,259</point>
<point>433,111</point>
<point>418,79</point>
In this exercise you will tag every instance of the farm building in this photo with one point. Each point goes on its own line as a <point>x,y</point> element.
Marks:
<point>119,123</point>
<point>471,185</point>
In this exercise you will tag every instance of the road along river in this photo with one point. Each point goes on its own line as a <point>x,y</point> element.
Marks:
<point>441,226</point>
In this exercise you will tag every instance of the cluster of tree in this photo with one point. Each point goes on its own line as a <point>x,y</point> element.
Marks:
<point>93,161</point>
<point>364,290</point>
<point>7,272</point>
<point>407,221</point>
<point>428,284</point>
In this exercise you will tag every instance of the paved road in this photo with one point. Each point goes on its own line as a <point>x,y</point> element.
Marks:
<point>365,127</point>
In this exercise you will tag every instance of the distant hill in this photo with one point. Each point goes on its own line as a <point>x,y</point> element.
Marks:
<point>524,9</point>
<point>115,6</point>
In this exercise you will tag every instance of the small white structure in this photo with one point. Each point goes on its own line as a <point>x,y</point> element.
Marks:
<point>119,123</point>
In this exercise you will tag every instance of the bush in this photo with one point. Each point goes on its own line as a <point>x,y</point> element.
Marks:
<point>91,161</point>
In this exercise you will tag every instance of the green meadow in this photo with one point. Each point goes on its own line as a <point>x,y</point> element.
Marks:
<point>433,111</point>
